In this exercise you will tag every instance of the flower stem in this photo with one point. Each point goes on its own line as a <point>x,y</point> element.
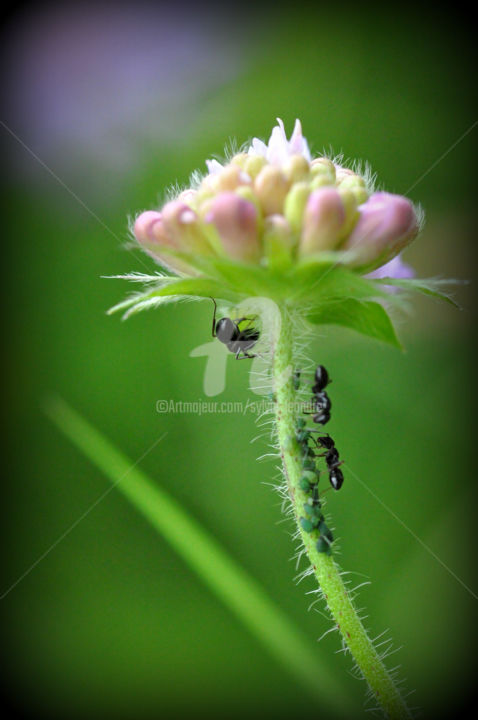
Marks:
<point>326,571</point>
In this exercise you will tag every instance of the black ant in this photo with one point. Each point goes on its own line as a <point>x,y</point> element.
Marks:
<point>237,340</point>
<point>332,460</point>
<point>321,404</point>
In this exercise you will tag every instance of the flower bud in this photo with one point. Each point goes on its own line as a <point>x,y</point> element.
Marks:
<point>151,234</point>
<point>231,177</point>
<point>324,218</point>
<point>342,172</point>
<point>240,159</point>
<point>351,215</point>
<point>278,241</point>
<point>350,182</point>
<point>295,203</point>
<point>271,187</point>
<point>188,196</point>
<point>235,220</point>
<point>323,167</point>
<point>296,168</point>
<point>353,184</point>
<point>387,223</point>
<point>254,165</point>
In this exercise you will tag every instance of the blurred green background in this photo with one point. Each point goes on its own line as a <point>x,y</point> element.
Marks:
<point>117,102</point>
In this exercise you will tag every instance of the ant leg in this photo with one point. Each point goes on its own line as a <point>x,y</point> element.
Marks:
<point>214,319</point>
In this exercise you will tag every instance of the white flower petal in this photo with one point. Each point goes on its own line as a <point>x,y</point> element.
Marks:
<point>258,148</point>
<point>279,148</point>
<point>214,167</point>
<point>298,144</point>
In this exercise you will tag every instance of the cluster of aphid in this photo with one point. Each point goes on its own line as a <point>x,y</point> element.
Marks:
<point>313,519</point>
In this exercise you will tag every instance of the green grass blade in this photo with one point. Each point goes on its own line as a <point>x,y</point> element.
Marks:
<point>202,553</point>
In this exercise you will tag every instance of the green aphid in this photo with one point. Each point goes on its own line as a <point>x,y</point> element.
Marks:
<point>325,531</point>
<point>308,465</point>
<point>310,476</point>
<point>308,452</point>
<point>301,422</point>
<point>296,380</point>
<point>313,512</point>
<point>324,545</point>
<point>312,504</point>
<point>307,524</point>
<point>305,485</point>
<point>303,436</point>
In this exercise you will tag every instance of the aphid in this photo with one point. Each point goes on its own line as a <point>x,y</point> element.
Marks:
<point>305,484</point>
<point>237,340</point>
<point>307,525</point>
<point>308,481</point>
<point>296,379</point>
<point>324,543</point>
<point>303,435</point>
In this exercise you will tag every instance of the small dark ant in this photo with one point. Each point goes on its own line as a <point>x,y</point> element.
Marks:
<point>321,379</point>
<point>331,455</point>
<point>320,400</point>
<point>236,340</point>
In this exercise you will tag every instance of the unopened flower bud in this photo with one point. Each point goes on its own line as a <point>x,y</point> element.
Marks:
<point>271,187</point>
<point>295,203</point>
<point>322,180</point>
<point>342,172</point>
<point>153,237</point>
<point>188,196</point>
<point>235,220</point>
<point>254,165</point>
<point>322,166</point>
<point>387,223</point>
<point>296,168</point>
<point>350,182</point>
<point>351,214</point>
<point>360,193</point>
<point>240,159</point>
<point>209,185</point>
<point>182,225</point>
<point>279,242</point>
<point>324,219</point>
<point>231,177</point>
<point>322,172</point>
<point>356,185</point>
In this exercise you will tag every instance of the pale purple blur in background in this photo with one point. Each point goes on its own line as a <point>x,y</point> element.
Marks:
<point>98,83</point>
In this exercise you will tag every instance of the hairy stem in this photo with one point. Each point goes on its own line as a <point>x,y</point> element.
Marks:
<point>326,571</point>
